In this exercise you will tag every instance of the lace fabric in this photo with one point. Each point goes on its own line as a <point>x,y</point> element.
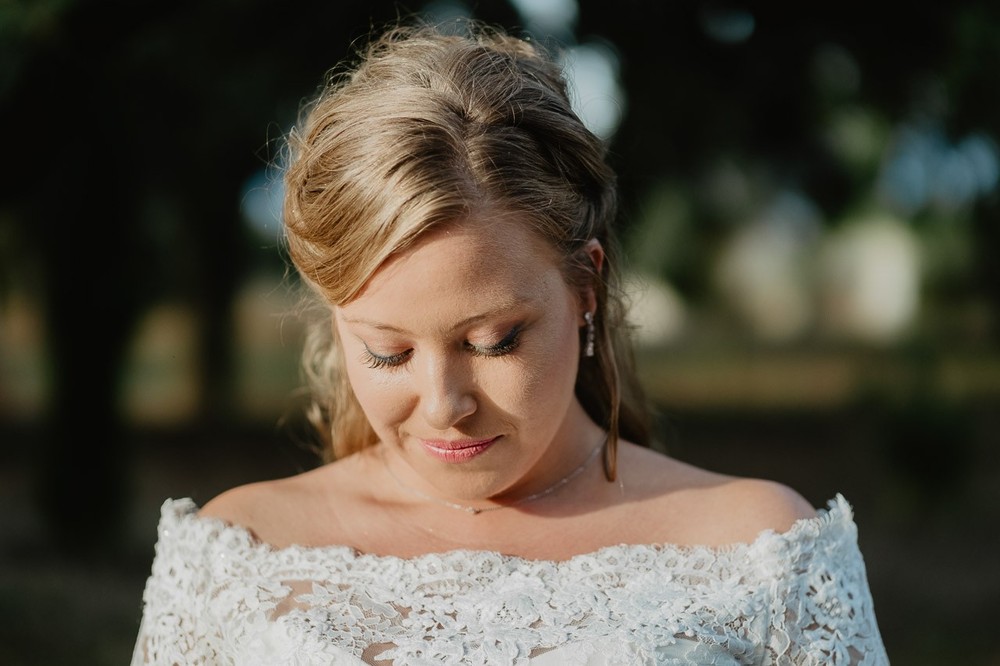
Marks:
<point>216,595</point>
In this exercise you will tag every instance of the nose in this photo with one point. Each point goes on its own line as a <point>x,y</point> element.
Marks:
<point>446,391</point>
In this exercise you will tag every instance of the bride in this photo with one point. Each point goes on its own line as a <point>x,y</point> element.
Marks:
<point>489,494</point>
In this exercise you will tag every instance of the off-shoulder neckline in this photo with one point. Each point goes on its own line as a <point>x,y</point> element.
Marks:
<point>184,510</point>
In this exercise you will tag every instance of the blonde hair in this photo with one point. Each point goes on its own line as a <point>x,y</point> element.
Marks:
<point>434,126</point>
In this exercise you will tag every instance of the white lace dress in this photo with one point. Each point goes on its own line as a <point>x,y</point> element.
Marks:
<point>217,595</point>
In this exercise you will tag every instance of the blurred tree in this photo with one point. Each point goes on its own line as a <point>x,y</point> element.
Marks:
<point>134,127</point>
<point>710,83</point>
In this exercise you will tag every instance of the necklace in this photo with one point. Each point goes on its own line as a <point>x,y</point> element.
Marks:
<point>477,510</point>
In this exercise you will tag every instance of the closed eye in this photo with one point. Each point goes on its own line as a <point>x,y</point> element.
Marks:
<point>377,361</point>
<point>509,343</point>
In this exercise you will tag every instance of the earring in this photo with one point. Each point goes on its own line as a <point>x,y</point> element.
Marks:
<point>588,349</point>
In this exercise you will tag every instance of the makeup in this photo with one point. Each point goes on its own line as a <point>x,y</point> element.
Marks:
<point>457,451</point>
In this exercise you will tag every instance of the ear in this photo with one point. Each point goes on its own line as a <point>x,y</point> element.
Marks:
<point>588,294</point>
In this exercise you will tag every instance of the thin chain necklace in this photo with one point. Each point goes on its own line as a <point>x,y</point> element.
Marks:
<point>476,510</point>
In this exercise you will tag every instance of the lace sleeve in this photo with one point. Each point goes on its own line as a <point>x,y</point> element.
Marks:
<point>823,611</point>
<point>174,627</point>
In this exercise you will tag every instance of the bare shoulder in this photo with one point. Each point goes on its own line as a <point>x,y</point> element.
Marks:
<point>700,506</point>
<point>259,507</point>
<point>245,504</point>
<point>284,511</point>
<point>750,506</point>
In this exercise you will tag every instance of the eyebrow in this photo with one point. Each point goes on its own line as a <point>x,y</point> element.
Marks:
<point>493,312</point>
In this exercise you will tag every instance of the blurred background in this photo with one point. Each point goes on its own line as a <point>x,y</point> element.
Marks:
<point>811,215</point>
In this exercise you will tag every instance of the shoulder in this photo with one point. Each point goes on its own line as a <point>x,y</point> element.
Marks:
<point>263,508</point>
<point>709,508</point>
<point>738,510</point>
<point>249,504</point>
<point>745,507</point>
<point>285,511</point>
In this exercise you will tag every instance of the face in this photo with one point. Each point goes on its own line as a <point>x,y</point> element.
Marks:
<point>463,353</point>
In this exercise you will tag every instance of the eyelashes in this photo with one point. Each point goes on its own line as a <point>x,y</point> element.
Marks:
<point>502,348</point>
<point>376,362</point>
<point>506,346</point>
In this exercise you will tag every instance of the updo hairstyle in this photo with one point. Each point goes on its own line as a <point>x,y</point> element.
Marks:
<point>434,126</point>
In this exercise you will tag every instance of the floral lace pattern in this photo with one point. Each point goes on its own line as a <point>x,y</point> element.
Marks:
<point>216,595</point>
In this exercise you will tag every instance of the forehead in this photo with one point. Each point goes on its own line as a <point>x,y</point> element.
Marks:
<point>494,257</point>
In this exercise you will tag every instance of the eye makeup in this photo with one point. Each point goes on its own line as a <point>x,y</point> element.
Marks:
<point>378,362</point>
<point>505,346</point>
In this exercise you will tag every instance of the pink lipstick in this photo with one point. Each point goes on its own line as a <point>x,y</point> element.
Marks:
<point>456,451</point>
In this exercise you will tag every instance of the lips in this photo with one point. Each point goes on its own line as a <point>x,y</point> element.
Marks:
<point>457,450</point>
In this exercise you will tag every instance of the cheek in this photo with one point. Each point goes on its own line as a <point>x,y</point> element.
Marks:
<point>556,378</point>
<point>540,383</point>
<point>382,397</point>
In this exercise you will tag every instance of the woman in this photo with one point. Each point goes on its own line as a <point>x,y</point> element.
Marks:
<point>490,496</point>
